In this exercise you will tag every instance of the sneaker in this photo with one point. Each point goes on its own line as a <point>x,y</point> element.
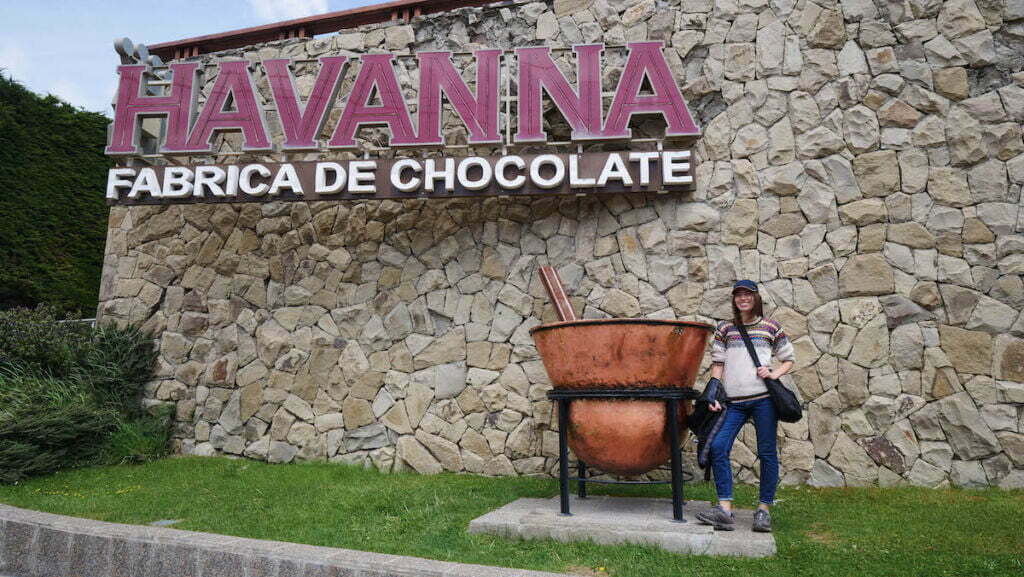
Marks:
<point>762,521</point>
<point>717,517</point>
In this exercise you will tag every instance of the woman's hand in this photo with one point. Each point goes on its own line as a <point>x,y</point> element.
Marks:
<point>765,373</point>
<point>715,406</point>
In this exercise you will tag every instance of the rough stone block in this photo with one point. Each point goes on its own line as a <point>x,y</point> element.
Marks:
<point>969,351</point>
<point>321,570</point>
<point>262,566</point>
<point>290,568</point>
<point>130,558</point>
<point>90,555</point>
<point>16,556</point>
<point>223,563</point>
<point>865,275</point>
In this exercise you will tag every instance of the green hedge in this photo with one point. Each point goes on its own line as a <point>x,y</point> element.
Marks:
<point>70,395</point>
<point>52,212</point>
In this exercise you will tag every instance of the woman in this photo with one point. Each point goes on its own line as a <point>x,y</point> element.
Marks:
<point>733,370</point>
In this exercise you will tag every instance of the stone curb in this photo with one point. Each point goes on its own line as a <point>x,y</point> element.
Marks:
<point>34,544</point>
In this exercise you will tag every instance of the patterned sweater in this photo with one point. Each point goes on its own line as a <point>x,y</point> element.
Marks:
<point>740,377</point>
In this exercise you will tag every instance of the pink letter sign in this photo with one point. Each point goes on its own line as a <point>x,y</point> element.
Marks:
<point>376,71</point>
<point>232,79</point>
<point>303,123</point>
<point>538,73</point>
<point>646,58</point>
<point>131,105</point>
<point>480,114</point>
<point>377,99</point>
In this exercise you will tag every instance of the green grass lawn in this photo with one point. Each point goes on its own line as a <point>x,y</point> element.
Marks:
<point>820,532</point>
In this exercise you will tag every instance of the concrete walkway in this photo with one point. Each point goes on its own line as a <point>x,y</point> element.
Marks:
<point>618,520</point>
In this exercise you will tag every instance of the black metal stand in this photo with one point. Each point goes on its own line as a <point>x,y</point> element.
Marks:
<point>672,398</point>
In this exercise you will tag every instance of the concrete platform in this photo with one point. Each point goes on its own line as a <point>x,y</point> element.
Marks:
<point>619,520</point>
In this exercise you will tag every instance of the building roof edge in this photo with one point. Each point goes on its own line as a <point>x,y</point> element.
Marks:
<point>399,10</point>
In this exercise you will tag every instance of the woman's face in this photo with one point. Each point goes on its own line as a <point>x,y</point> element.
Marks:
<point>744,300</point>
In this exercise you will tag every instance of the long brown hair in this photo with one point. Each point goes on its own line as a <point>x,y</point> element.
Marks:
<point>758,309</point>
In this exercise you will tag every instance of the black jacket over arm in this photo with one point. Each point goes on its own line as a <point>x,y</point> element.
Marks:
<point>705,423</point>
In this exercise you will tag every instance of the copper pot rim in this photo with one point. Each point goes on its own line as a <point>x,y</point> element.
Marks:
<point>584,322</point>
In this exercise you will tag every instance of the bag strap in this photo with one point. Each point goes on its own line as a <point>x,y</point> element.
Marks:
<point>750,346</point>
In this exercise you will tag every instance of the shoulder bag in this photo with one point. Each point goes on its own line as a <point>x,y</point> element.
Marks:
<point>787,406</point>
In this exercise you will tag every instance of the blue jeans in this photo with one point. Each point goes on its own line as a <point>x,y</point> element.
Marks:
<point>762,411</point>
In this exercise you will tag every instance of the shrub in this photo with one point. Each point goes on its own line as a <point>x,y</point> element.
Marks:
<point>137,441</point>
<point>70,395</point>
<point>36,340</point>
<point>117,362</point>
<point>47,424</point>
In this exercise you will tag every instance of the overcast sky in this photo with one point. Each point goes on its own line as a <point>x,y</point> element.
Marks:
<point>65,47</point>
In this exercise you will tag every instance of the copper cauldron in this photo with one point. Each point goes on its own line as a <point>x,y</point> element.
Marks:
<point>621,436</point>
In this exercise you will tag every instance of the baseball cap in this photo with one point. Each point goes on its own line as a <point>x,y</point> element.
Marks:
<point>745,285</point>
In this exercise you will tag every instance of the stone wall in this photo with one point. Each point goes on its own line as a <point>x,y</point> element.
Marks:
<point>862,160</point>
